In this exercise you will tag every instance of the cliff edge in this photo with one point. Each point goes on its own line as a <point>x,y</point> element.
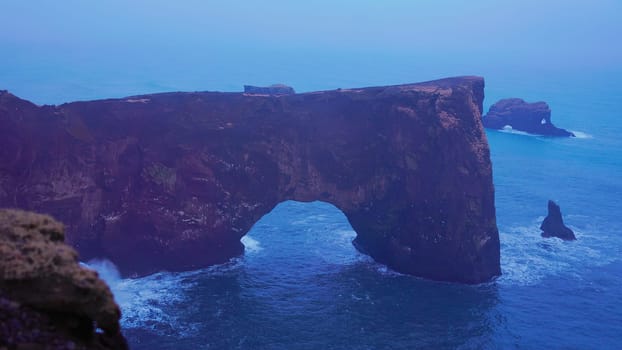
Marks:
<point>174,180</point>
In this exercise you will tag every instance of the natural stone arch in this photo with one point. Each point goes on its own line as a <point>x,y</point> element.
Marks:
<point>173,181</point>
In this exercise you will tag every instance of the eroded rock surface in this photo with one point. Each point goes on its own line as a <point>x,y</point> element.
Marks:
<point>174,180</point>
<point>516,114</point>
<point>46,297</point>
<point>553,224</point>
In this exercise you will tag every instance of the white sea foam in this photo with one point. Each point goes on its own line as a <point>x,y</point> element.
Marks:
<point>343,237</point>
<point>527,258</point>
<point>106,270</point>
<point>148,302</point>
<point>382,269</point>
<point>581,135</point>
<point>251,245</point>
<point>110,274</point>
<point>310,220</point>
<point>509,130</point>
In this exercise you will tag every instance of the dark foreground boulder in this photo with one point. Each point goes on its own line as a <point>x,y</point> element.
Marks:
<point>553,224</point>
<point>276,89</point>
<point>516,114</point>
<point>47,300</point>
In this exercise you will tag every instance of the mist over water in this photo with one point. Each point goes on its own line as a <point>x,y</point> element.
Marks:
<point>55,52</point>
<point>301,284</point>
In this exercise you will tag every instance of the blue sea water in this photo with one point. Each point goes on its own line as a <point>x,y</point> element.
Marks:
<point>302,285</point>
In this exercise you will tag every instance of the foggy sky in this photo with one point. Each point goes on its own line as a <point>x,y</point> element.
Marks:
<point>463,36</point>
<point>574,30</point>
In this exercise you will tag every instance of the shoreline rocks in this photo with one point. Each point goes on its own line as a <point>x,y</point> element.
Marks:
<point>46,297</point>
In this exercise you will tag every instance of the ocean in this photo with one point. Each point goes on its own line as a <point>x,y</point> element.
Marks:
<point>302,285</point>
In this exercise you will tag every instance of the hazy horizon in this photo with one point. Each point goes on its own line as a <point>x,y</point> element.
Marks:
<point>116,48</point>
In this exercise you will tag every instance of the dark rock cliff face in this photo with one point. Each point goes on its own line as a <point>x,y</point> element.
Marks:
<point>534,118</point>
<point>47,300</point>
<point>173,181</point>
<point>553,224</point>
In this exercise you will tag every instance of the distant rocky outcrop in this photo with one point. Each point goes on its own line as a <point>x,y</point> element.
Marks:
<point>275,89</point>
<point>553,224</point>
<point>172,181</point>
<point>47,300</point>
<point>516,114</point>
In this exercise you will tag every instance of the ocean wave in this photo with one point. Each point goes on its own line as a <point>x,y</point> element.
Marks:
<point>581,135</point>
<point>153,302</point>
<point>382,269</point>
<point>527,257</point>
<point>251,245</point>
<point>106,270</point>
<point>334,246</point>
<point>509,130</point>
<point>343,237</point>
<point>309,220</point>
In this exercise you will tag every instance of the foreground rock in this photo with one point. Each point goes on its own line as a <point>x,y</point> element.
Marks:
<point>173,181</point>
<point>553,224</point>
<point>516,114</point>
<point>47,300</point>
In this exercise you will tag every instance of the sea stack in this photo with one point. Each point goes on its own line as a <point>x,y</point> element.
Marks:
<point>516,114</point>
<point>47,300</point>
<point>553,224</point>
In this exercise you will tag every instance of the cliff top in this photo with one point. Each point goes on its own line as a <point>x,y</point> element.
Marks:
<point>440,86</point>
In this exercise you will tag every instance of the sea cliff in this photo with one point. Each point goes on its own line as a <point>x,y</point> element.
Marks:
<point>174,180</point>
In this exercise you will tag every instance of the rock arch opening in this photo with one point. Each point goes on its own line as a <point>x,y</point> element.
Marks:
<point>303,234</point>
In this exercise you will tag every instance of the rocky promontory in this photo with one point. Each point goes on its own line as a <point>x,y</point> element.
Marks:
<point>172,181</point>
<point>47,300</point>
<point>516,114</point>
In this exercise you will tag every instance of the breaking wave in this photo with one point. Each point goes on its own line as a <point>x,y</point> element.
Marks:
<point>155,302</point>
<point>581,135</point>
<point>527,258</point>
<point>508,130</point>
<point>251,245</point>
